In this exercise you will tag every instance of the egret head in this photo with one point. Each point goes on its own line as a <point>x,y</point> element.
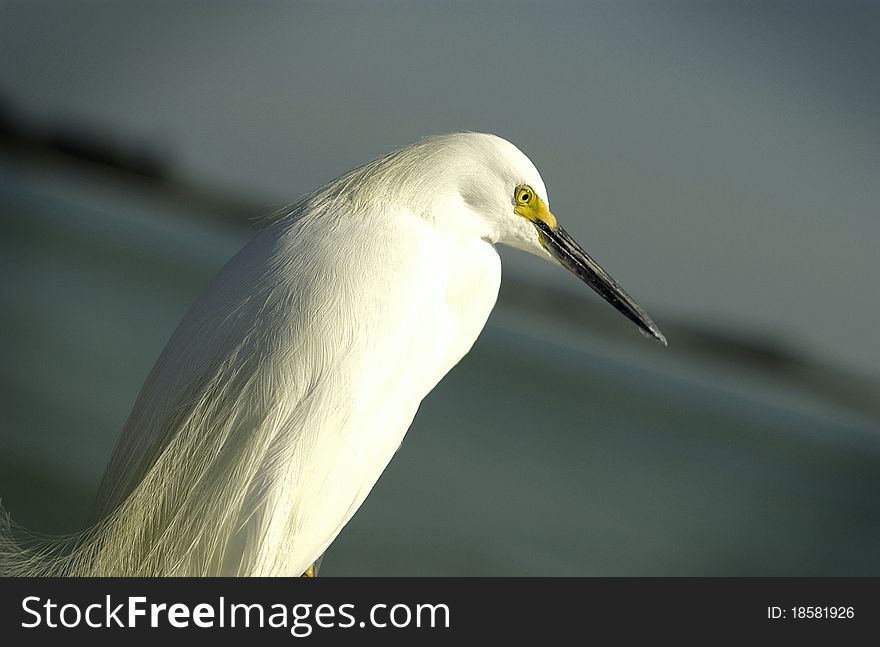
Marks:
<point>503,191</point>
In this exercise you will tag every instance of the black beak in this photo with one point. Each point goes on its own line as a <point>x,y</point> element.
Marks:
<point>572,257</point>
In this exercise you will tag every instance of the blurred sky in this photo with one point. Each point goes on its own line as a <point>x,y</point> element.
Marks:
<point>722,159</point>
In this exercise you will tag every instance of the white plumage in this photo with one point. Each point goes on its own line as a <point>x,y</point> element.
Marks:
<point>289,385</point>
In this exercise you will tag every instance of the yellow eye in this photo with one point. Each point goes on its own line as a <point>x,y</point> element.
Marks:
<point>524,195</point>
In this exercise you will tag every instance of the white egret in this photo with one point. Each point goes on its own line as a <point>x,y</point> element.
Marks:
<point>289,385</point>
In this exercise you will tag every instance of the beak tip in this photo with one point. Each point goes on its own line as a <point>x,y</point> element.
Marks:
<point>653,332</point>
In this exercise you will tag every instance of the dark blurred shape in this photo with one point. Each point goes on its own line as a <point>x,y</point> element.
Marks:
<point>765,353</point>
<point>89,149</point>
<point>81,144</point>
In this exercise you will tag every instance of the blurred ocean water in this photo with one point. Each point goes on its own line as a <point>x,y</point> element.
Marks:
<point>559,446</point>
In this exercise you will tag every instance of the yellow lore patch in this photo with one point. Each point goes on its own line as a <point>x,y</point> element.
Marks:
<point>528,205</point>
